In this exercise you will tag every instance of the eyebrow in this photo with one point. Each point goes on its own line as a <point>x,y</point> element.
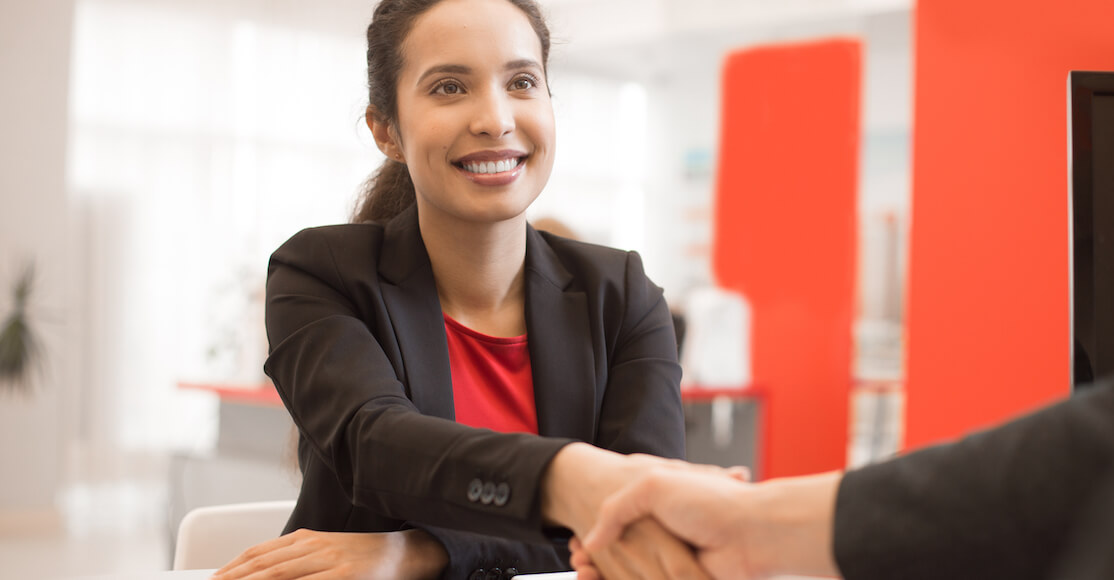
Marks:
<point>464,70</point>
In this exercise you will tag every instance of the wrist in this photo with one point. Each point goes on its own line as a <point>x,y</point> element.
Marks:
<point>791,528</point>
<point>424,554</point>
<point>578,478</point>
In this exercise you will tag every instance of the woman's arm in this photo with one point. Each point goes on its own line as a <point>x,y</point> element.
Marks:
<point>347,400</point>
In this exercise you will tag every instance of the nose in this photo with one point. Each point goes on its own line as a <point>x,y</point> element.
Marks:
<point>493,115</point>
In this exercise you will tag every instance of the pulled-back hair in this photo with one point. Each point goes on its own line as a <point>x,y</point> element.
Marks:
<point>390,190</point>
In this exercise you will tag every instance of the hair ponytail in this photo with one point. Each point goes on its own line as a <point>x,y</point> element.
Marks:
<point>385,194</point>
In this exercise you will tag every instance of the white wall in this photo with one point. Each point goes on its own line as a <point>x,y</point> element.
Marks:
<point>34,225</point>
<point>676,50</point>
<point>671,48</point>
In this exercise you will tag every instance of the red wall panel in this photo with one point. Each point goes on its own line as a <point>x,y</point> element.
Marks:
<point>988,332</point>
<point>785,236</point>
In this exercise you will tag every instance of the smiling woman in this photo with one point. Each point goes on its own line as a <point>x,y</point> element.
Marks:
<point>466,388</point>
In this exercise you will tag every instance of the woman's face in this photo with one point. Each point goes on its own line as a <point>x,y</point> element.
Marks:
<point>475,121</point>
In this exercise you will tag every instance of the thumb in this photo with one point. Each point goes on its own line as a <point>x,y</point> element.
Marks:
<point>620,509</point>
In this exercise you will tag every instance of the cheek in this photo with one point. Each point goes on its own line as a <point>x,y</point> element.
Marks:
<point>543,127</point>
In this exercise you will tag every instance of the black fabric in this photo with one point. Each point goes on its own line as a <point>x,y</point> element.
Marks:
<point>1090,552</point>
<point>359,357</point>
<point>1003,503</point>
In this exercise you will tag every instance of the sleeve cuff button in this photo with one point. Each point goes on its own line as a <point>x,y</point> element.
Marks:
<point>475,490</point>
<point>502,494</point>
<point>488,494</point>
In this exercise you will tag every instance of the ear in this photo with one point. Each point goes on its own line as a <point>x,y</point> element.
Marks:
<point>386,138</point>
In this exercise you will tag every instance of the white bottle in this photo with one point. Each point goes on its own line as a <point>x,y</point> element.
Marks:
<point>716,349</point>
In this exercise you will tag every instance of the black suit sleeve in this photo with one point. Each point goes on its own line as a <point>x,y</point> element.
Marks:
<point>344,396</point>
<point>997,504</point>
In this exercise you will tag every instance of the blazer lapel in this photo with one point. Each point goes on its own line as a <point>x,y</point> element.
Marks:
<point>560,342</point>
<point>410,295</point>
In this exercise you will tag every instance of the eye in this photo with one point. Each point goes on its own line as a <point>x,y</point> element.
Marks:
<point>448,87</point>
<point>524,82</point>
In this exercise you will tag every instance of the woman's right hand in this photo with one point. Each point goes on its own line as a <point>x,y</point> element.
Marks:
<point>407,554</point>
<point>577,482</point>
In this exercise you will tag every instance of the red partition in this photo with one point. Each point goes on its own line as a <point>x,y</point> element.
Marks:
<point>988,332</point>
<point>785,236</point>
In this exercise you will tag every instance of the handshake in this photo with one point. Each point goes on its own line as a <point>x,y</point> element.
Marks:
<point>1029,499</point>
<point>640,516</point>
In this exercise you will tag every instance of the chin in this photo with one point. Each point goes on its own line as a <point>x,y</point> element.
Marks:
<point>497,215</point>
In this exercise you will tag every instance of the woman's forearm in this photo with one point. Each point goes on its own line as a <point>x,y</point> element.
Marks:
<point>580,477</point>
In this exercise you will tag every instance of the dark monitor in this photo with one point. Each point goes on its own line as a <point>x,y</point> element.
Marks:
<point>1091,198</point>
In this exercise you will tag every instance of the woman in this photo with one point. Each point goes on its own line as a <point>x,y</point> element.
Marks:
<point>421,350</point>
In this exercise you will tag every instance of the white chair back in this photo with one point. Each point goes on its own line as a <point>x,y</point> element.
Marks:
<point>211,536</point>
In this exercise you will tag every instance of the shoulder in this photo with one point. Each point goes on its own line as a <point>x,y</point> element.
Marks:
<point>589,263</point>
<point>335,247</point>
<point>612,279</point>
<point>347,238</point>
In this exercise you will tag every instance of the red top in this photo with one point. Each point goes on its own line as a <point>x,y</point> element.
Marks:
<point>492,384</point>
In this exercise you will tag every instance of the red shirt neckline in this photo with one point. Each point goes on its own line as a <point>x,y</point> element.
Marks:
<point>484,337</point>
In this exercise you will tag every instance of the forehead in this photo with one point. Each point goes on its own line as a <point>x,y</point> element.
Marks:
<point>474,31</point>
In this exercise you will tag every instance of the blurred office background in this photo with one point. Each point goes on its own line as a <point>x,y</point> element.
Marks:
<point>154,153</point>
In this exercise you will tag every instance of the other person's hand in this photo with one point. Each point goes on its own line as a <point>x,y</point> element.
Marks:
<point>640,534</point>
<point>577,482</point>
<point>739,530</point>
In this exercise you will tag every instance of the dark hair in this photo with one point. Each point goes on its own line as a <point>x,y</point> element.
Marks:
<point>389,190</point>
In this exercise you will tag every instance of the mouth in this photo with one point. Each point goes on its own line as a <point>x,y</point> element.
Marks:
<point>491,163</point>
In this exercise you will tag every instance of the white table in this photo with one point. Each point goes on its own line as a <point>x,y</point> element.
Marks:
<point>204,575</point>
<point>164,575</point>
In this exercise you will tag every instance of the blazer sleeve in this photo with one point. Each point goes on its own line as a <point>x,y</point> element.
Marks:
<point>997,504</point>
<point>345,397</point>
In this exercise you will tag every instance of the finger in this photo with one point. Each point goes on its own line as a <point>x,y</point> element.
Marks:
<point>259,550</point>
<point>740,473</point>
<point>623,507</point>
<point>293,561</point>
<point>639,562</point>
<point>578,557</point>
<point>611,565</point>
<point>585,568</point>
<point>653,552</point>
<point>301,568</point>
<point>581,561</point>
<point>675,558</point>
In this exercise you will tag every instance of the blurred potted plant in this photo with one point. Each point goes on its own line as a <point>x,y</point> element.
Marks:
<point>19,345</point>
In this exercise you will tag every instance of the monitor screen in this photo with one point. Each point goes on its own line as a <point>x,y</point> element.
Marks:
<point>1091,195</point>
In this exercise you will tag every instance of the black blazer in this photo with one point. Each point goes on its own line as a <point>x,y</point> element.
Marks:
<point>1010,502</point>
<point>358,354</point>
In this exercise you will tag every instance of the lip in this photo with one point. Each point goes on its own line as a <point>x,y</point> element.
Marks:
<point>492,179</point>
<point>490,156</point>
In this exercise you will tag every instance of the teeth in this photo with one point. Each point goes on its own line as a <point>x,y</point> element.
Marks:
<point>491,166</point>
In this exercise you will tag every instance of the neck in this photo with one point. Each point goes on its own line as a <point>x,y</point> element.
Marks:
<point>478,268</point>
